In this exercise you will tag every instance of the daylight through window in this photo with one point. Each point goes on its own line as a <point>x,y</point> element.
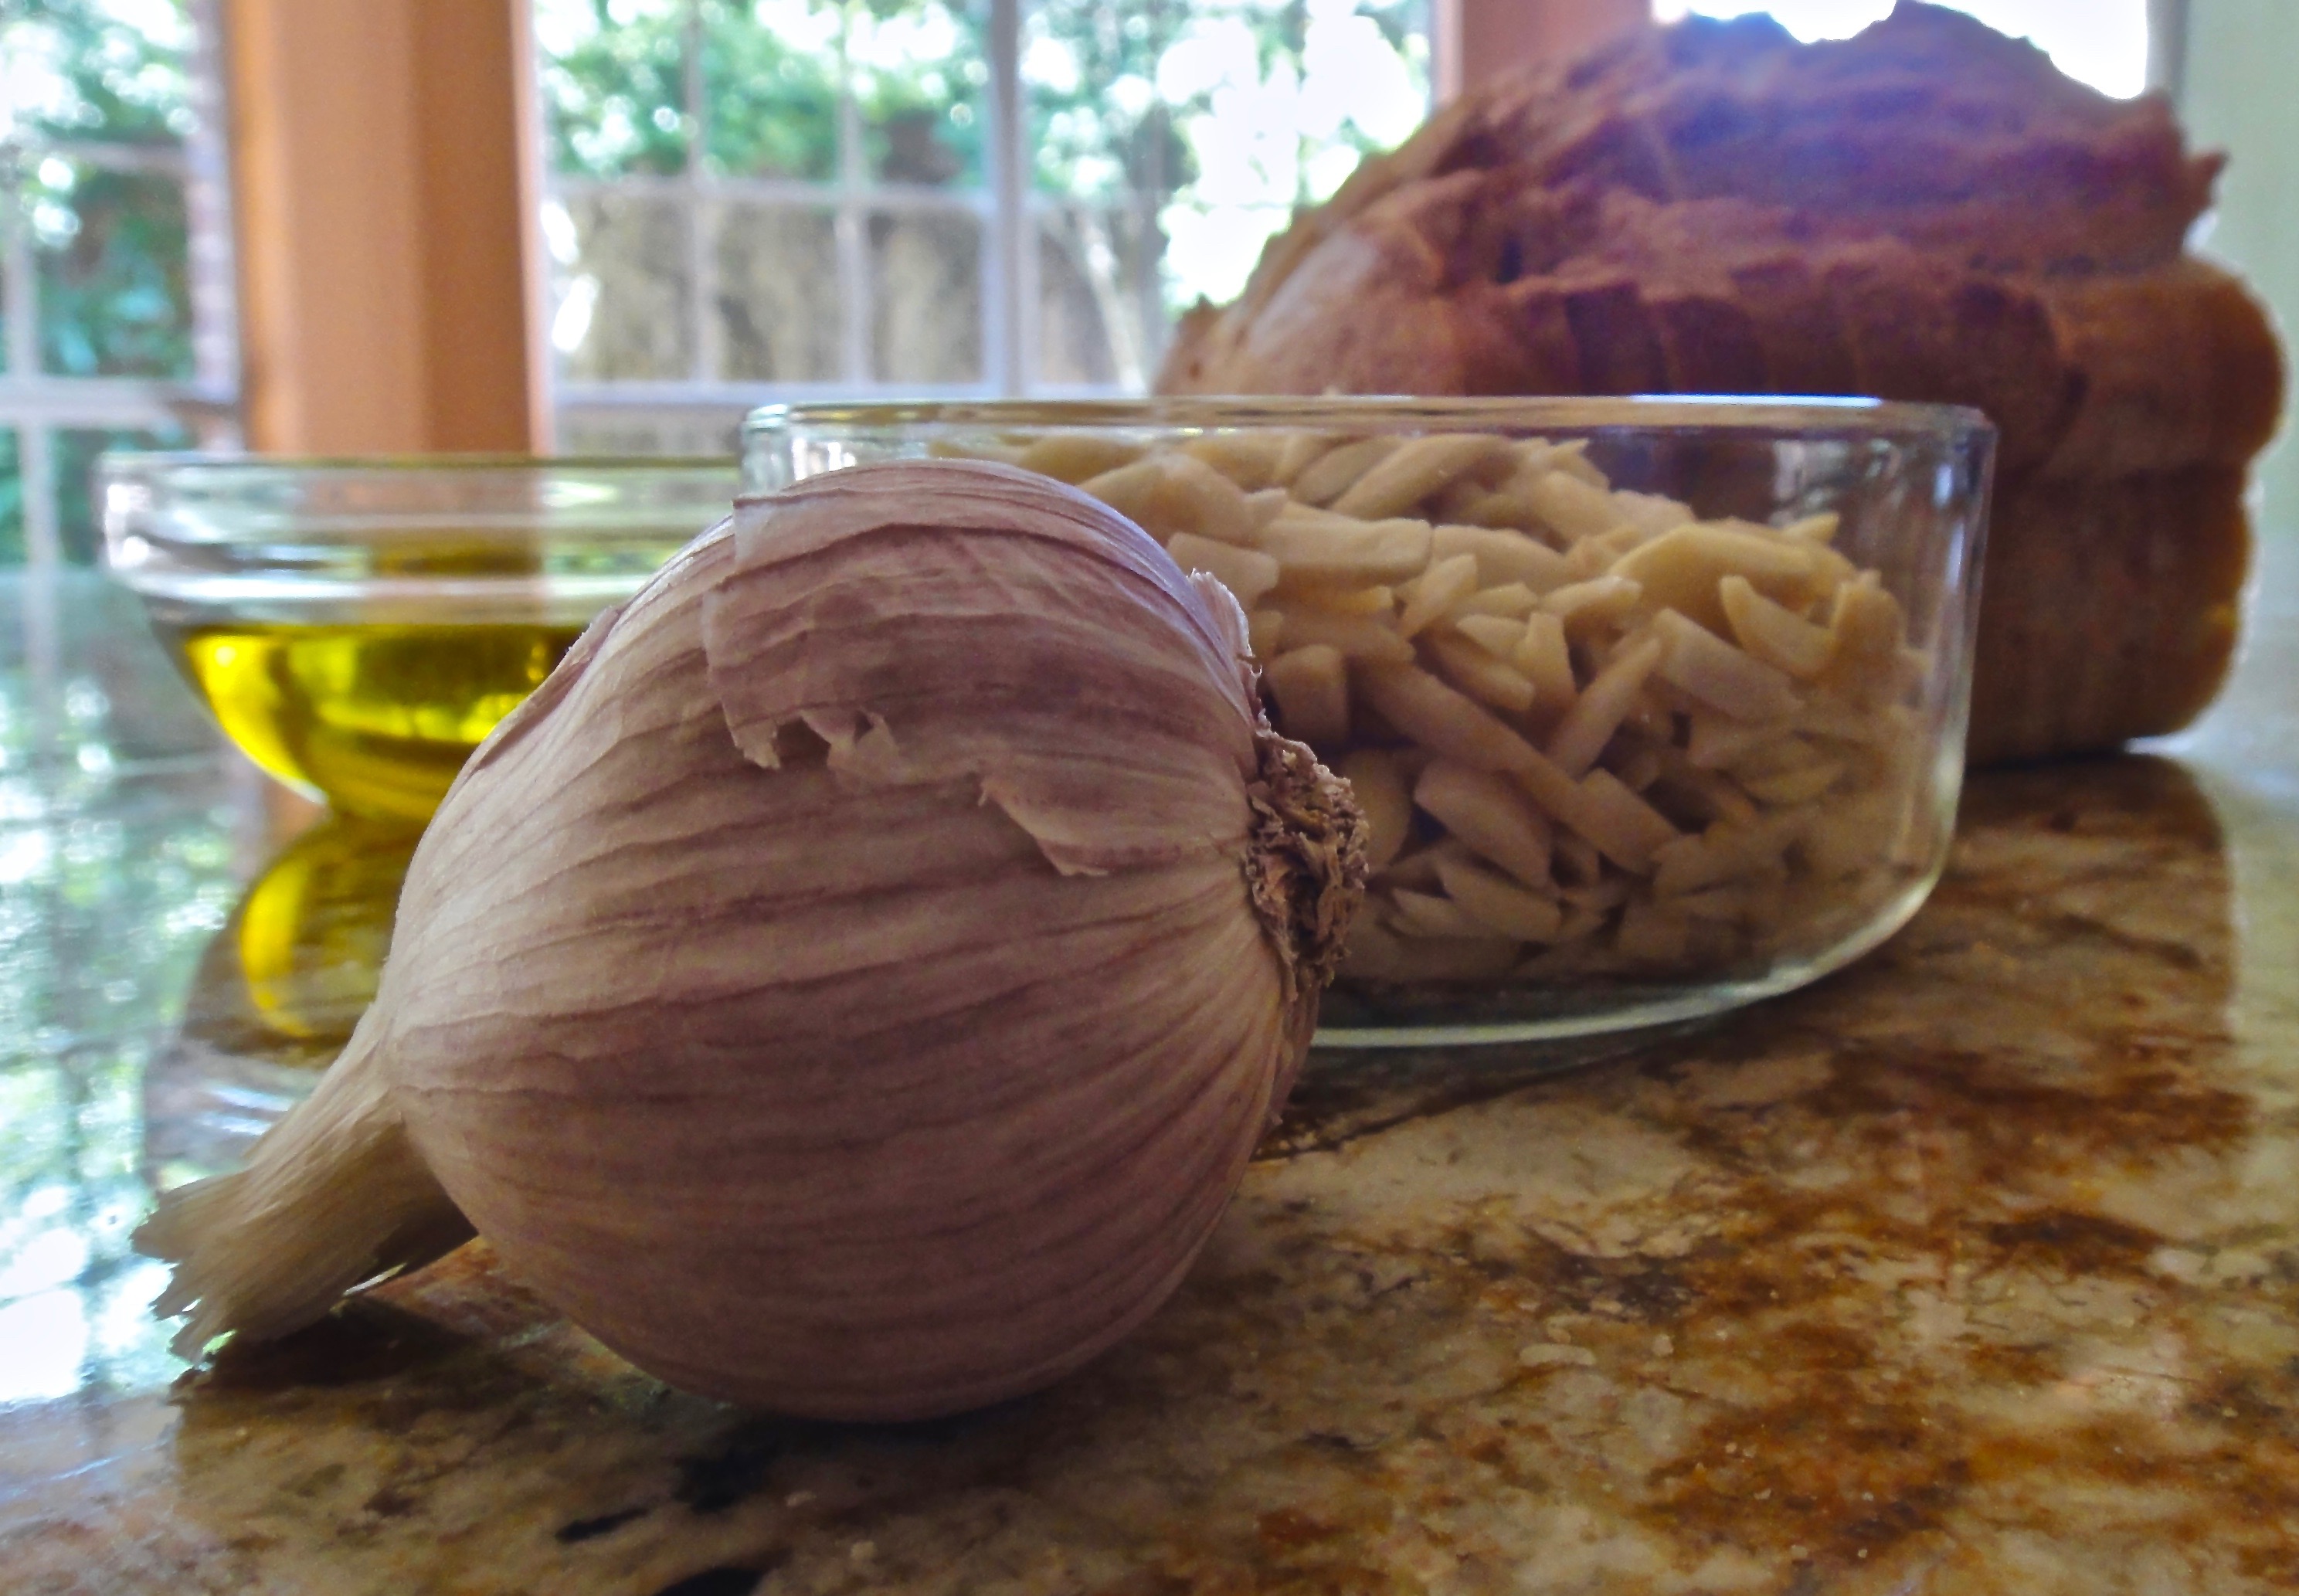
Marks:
<point>789,198</point>
<point>115,281</point>
<point>2102,41</point>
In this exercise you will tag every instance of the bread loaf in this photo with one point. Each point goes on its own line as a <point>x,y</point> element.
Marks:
<point>1929,211</point>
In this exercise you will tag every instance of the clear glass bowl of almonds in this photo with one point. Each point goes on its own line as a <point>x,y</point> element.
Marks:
<point>1657,706</point>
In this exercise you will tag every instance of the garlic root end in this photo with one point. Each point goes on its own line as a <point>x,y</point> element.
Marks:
<point>333,1196</point>
<point>1306,867</point>
<point>1304,873</point>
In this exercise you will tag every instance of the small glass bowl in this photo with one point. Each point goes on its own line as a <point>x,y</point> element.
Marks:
<point>358,626</point>
<point>1657,705</point>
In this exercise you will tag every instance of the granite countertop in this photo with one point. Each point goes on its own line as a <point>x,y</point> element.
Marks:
<point>1972,1269</point>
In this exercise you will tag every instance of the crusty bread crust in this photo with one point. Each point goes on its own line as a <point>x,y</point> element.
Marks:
<point>1929,211</point>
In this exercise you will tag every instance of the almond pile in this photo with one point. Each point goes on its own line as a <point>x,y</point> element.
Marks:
<point>1593,734</point>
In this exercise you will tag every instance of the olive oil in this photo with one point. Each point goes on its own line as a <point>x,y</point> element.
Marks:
<point>289,975</point>
<point>375,719</point>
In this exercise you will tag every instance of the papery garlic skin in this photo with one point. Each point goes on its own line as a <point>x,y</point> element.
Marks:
<point>854,983</point>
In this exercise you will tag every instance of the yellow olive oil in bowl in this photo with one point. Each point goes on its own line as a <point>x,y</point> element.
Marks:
<point>376,719</point>
<point>359,627</point>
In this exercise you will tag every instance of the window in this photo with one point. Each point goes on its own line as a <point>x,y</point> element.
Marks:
<point>753,199</point>
<point>115,284</point>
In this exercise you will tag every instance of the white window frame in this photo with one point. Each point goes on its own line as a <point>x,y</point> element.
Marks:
<point>35,404</point>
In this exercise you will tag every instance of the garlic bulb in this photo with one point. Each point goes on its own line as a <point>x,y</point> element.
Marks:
<point>851,984</point>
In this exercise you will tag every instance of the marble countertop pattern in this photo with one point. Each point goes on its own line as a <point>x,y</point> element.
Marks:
<point>1972,1269</point>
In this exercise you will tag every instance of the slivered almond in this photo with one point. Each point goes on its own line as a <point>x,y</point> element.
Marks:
<point>1500,905</point>
<point>1479,674</point>
<point>1599,601</point>
<point>1374,777</point>
<point>1248,459</point>
<point>1572,507</point>
<point>1354,553</point>
<point>1414,470</point>
<point>1247,573</point>
<point>1546,662</point>
<point>1496,635</point>
<point>1511,601</point>
<point>1501,556</point>
<point>1423,914</point>
<point>1443,719</point>
<point>1300,450</point>
<point>1358,637</point>
<point>1489,816</point>
<point>1264,629</point>
<point>1603,705</point>
<point>1331,473</point>
<point>1170,493</point>
<point>1311,685</point>
<point>1680,571</point>
<point>1719,675</point>
<point>1434,593</point>
<point>1773,633</point>
<point>1344,601</point>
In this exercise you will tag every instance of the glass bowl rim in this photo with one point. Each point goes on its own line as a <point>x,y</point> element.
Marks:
<point>278,519</point>
<point>445,465</point>
<point>1767,415</point>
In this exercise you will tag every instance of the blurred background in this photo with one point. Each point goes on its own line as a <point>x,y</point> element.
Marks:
<point>322,226</point>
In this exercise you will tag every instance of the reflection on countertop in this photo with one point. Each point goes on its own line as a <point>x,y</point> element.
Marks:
<point>1974,1268</point>
<point>276,993</point>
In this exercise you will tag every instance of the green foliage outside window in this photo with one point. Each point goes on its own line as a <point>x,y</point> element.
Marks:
<point>614,86</point>
<point>1102,117</point>
<point>113,252</point>
<point>1107,106</point>
<point>11,504</point>
<point>1219,116</point>
<point>771,104</point>
<point>115,71</point>
<point>112,247</point>
<point>110,244</point>
<point>616,73</point>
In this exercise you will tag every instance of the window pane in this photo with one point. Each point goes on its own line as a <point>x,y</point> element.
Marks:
<point>110,70</point>
<point>778,303</point>
<point>11,503</point>
<point>1226,113</point>
<point>925,277</point>
<point>1211,249</point>
<point>1100,318</point>
<point>111,250</point>
<point>652,429</point>
<point>75,453</point>
<point>626,299</point>
<point>1097,121</point>
<point>915,67</point>
<point>770,72</point>
<point>919,70</point>
<point>1165,142</point>
<point>614,76</point>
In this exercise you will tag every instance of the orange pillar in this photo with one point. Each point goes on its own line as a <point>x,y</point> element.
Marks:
<point>385,182</point>
<point>1476,38</point>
